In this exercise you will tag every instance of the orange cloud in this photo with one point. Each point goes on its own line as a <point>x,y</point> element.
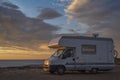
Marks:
<point>76,4</point>
<point>44,47</point>
<point>7,53</point>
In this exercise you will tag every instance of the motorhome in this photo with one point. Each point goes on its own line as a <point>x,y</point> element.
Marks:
<point>80,53</point>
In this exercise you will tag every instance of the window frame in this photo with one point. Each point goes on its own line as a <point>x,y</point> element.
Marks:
<point>88,47</point>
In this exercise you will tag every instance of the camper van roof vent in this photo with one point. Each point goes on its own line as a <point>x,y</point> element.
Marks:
<point>95,35</point>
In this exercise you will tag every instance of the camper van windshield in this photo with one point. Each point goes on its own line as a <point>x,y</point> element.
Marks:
<point>58,52</point>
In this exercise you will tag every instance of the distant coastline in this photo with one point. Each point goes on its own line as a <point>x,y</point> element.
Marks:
<point>20,63</point>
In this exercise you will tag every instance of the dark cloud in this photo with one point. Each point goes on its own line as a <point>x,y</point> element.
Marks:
<point>95,12</point>
<point>48,13</point>
<point>18,30</point>
<point>10,5</point>
<point>14,14</point>
<point>101,15</point>
<point>1,1</point>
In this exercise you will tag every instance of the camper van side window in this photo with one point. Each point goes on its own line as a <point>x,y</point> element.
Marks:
<point>88,49</point>
<point>69,53</point>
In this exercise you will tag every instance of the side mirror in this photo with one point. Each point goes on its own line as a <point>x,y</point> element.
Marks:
<point>73,59</point>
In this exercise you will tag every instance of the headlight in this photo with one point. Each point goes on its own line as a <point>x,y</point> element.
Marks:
<point>47,62</point>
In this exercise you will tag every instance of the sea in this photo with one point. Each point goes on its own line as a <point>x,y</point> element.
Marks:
<point>18,63</point>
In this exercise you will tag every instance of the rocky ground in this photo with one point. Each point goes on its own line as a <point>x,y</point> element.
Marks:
<point>34,73</point>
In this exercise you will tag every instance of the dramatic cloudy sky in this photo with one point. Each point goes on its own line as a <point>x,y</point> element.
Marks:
<point>26,26</point>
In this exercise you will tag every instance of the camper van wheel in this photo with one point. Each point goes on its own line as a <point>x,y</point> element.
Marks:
<point>60,70</point>
<point>83,71</point>
<point>51,72</point>
<point>94,70</point>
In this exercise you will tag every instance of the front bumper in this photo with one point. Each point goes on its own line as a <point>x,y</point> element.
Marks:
<point>49,68</point>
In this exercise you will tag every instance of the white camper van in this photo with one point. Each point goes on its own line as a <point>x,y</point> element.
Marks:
<point>80,53</point>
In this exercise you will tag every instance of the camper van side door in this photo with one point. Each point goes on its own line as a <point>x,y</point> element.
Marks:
<point>68,57</point>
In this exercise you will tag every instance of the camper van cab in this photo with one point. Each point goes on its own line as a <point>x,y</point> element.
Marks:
<point>80,53</point>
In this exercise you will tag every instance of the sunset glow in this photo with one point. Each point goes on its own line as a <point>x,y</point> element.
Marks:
<point>11,53</point>
<point>26,27</point>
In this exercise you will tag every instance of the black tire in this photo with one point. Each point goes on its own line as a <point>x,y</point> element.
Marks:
<point>52,72</point>
<point>60,70</point>
<point>94,70</point>
<point>82,71</point>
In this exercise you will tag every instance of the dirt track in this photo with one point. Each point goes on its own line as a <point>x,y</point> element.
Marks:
<point>38,74</point>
